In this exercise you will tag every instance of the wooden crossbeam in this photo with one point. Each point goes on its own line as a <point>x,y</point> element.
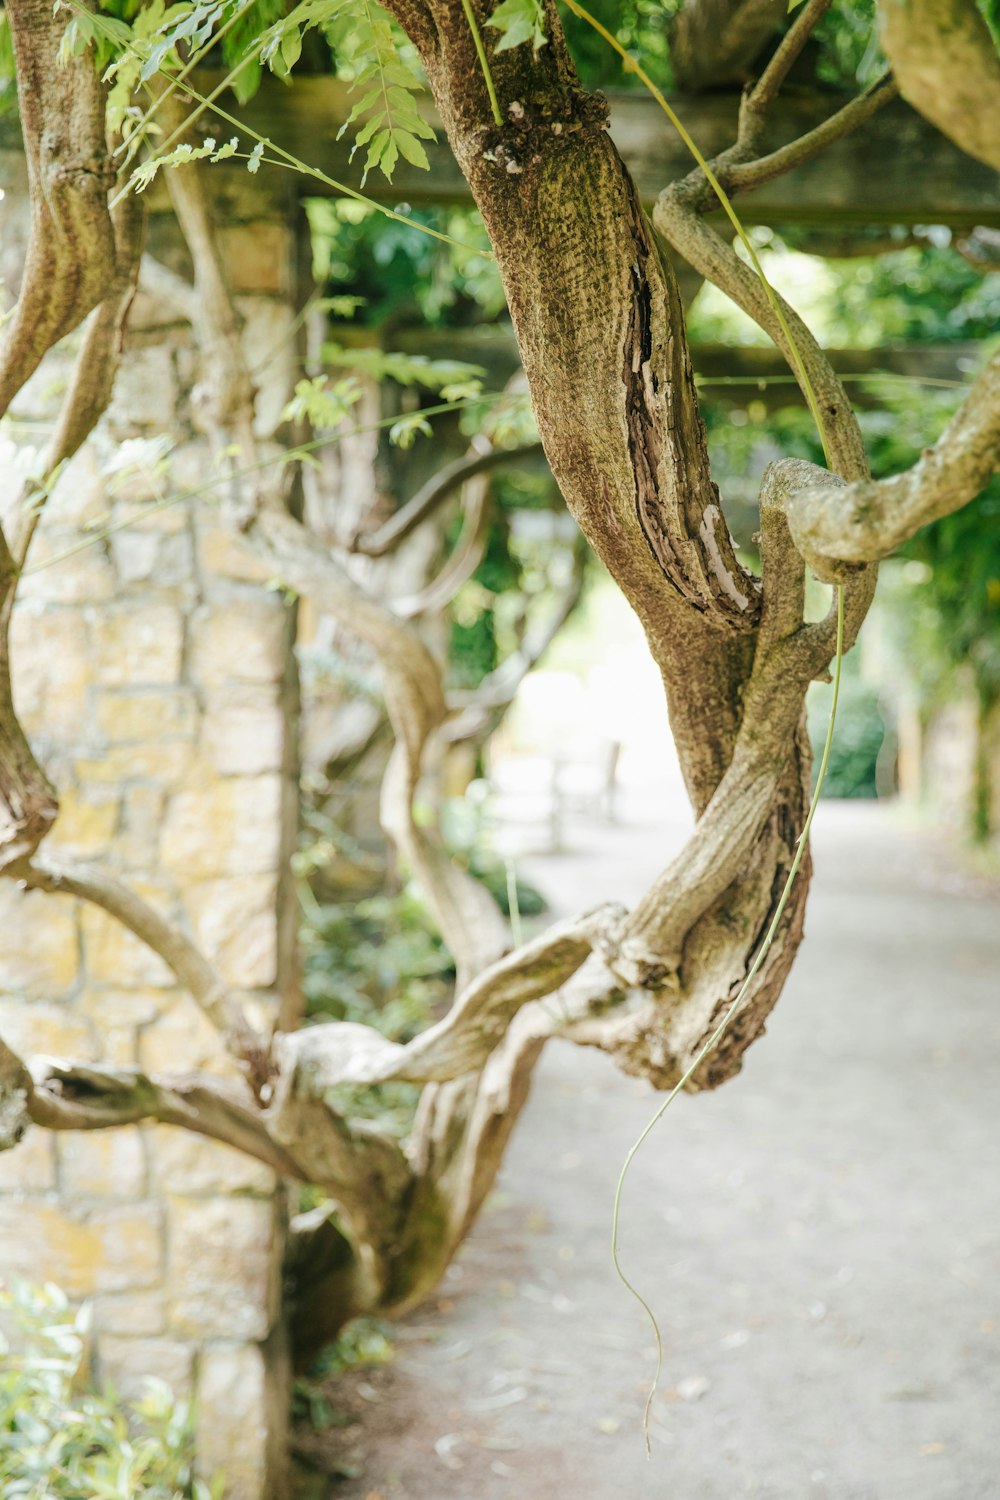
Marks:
<point>896,169</point>
<point>726,372</point>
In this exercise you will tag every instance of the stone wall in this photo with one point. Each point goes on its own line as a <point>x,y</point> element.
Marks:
<point>154,675</point>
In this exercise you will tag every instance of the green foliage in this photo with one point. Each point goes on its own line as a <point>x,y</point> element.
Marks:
<point>402,274</point>
<point>468,838</point>
<point>519,21</point>
<point>846,43</point>
<point>851,771</point>
<point>209,150</point>
<point>362,1344</point>
<point>921,292</point>
<point>365,44</point>
<point>8,93</point>
<point>473,648</point>
<point>960,583</point>
<point>393,125</point>
<point>640,25</point>
<point>61,1442</point>
<point>323,405</point>
<point>377,961</point>
<point>451,379</point>
<point>104,34</point>
<point>365,41</point>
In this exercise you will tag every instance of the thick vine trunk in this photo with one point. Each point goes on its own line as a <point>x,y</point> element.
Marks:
<point>72,243</point>
<point>601,334</point>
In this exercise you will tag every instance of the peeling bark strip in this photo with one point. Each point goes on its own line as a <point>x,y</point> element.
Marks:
<point>642,417</point>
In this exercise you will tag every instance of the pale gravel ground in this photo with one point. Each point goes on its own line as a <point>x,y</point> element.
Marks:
<point>820,1238</point>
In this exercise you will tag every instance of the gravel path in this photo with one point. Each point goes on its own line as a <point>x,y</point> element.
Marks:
<point>820,1239</point>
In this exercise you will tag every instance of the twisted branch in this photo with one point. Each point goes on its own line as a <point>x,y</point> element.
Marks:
<point>71,242</point>
<point>182,956</point>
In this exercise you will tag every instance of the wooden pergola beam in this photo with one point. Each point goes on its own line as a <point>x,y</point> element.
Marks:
<point>896,170</point>
<point>735,373</point>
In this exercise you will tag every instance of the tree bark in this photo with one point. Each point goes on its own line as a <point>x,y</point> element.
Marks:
<point>72,242</point>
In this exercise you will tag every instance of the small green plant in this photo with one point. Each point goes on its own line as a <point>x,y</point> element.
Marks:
<point>853,768</point>
<point>59,1441</point>
<point>363,1344</point>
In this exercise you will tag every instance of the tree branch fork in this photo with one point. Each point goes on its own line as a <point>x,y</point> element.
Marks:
<point>646,986</point>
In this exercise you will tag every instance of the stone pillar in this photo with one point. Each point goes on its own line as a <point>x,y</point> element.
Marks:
<point>155,679</point>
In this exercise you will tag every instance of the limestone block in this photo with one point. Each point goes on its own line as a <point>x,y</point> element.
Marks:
<point>164,559</point>
<point>51,670</point>
<point>221,1279</point>
<point>232,1433</point>
<point>112,1009</point>
<point>246,639</point>
<point>182,1040</point>
<point>48,1031</point>
<point>138,511</point>
<point>127,717</point>
<point>245,740</point>
<point>138,644</point>
<point>118,1015</point>
<point>145,392</point>
<point>133,1313</point>
<point>127,1363</point>
<point>29,1167</point>
<point>191,465</point>
<point>236,922</point>
<point>224,827</point>
<point>166,763</point>
<point>223,553</point>
<point>186,1164</point>
<point>265,1012</point>
<point>40,394</point>
<point>39,950</point>
<point>138,844</point>
<point>87,822</point>
<point>80,497</point>
<point>120,1046</point>
<point>258,257</point>
<point>105,1163</point>
<point>51,576</point>
<point>113,955</point>
<point>114,1249</point>
<point>135,553</point>
<point>149,311</point>
<point>175,566</point>
<point>270,348</point>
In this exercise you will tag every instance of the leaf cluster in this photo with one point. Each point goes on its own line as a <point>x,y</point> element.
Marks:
<point>59,1441</point>
<point>367,49</point>
<point>398,273</point>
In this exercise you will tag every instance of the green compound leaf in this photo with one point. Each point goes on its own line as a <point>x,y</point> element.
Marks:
<point>519,21</point>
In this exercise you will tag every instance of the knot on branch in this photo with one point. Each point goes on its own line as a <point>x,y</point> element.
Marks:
<point>533,123</point>
<point>16,1090</point>
<point>28,803</point>
<point>643,968</point>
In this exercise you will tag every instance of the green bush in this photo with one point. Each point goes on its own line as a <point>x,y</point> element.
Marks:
<point>857,738</point>
<point>59,1441</point>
